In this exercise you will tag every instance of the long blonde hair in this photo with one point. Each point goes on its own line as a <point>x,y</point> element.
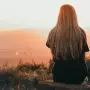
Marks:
<point>65,39</point>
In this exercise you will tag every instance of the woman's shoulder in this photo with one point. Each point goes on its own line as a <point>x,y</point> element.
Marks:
<point>52,31</point>
<point>83,33</point>
<point>82,30</point>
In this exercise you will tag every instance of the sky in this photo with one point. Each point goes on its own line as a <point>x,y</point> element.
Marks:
<point>40,14</point>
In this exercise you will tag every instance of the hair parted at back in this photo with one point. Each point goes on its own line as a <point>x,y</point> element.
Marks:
<point>66,39</point>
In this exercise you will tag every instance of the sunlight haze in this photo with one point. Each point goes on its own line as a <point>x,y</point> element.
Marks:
<point>39,13</point>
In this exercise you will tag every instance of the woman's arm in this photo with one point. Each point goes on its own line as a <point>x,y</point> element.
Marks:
<point>48,42</point>
<point>85,45</point>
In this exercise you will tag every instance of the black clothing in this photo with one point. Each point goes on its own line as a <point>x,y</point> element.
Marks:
<point>70,71</point>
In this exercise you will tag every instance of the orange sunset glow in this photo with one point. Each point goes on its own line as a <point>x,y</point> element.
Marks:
<point>23,45</point>
<point>25,24</point>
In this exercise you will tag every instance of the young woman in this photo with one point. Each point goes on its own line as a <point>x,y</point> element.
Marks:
<point>68,44</point>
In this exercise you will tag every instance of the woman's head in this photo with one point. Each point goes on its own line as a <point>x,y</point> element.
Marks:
<point>65,38</point>
<point>67,16</point>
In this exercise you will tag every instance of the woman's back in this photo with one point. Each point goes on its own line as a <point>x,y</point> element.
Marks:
<point>68,45</point>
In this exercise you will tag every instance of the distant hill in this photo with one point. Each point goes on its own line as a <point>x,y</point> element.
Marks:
<point>23,44</point>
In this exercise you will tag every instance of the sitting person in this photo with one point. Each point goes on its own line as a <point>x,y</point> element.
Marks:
<point>68,44</point>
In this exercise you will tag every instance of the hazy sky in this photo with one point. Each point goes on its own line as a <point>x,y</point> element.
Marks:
<point>39,13</point>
